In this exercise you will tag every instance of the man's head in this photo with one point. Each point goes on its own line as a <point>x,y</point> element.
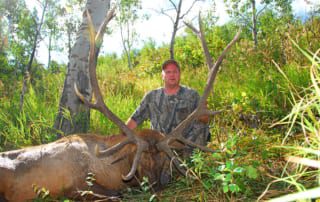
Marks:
<point>171,73</point>
<point>170,62</point>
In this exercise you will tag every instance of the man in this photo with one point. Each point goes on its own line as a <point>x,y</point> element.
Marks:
<point>167,106</point>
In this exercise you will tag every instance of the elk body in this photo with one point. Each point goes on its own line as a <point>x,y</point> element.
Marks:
<point>62,166</point>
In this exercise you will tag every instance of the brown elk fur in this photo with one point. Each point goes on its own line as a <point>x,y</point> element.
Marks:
<point>62,166</point>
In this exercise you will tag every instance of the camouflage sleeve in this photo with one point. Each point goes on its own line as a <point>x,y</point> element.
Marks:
<point>142,112</point>
<point>199,132</point>
<point>197,100</point>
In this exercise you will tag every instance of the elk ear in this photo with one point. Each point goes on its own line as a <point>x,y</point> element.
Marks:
<point>166,173</point>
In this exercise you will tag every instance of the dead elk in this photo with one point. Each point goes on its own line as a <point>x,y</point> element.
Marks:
<point>62,166</point>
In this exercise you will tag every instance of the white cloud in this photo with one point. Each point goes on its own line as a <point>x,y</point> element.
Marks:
<point>302,7</point>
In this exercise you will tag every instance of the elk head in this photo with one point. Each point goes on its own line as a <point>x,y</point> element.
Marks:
<point>147,146</point>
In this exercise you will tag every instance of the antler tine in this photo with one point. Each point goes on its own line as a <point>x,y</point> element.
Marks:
<point>101,106</point>
<point>205,48</point>
<point>215,68</point>
<point>200,34</point>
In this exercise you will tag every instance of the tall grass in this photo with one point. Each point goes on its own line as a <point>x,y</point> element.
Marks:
<point>301,142</point>
<point>33,125</point>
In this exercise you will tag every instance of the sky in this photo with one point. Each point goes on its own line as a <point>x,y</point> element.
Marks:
<point>158,27</point>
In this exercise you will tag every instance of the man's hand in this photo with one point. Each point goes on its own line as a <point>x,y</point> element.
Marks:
<point>132,124</point>
<point>204,118</point>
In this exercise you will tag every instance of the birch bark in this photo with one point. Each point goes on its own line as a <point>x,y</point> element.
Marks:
<point>73,116</point>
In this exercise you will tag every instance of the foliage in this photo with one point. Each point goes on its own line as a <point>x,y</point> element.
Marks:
<point>302,167</point>
<point>33,125</point>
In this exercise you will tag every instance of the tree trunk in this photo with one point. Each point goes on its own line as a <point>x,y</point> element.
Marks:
<point>29,66</point>
<point>175,29</point>
<point>69,41</point>
<point>49,49</point>
<point>126,44</point>
<point>73,116</point>
<point>129,59</point>
<point>129,43</point>
<point>254,23</point>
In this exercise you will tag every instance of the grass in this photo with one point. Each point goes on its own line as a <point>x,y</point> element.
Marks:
<point>33,124</point>
<point>252,94</point>
<point>302,140</point>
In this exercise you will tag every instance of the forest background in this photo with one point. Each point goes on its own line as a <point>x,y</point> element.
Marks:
<point>268,89</point>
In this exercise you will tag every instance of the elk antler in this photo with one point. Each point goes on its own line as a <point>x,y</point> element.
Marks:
<point>177,133</point>
<point>200,34</point>
<point>101,106</point>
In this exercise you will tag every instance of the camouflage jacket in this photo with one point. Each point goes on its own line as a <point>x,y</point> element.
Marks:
<point>165,112</point>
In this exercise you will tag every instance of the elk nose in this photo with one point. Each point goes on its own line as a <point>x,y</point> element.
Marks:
<point>165,177</point>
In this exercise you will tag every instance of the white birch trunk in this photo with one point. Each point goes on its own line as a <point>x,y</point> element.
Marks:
<point>78,115</point>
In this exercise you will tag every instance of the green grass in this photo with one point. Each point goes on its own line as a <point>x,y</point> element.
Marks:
<point>33,125</point>
<point>301,142</point>
<point>251,93</point>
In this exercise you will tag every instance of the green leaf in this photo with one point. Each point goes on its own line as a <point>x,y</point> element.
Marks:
<point>234,188</point>
<point>231,152</point>
<point>225,188</point>
<point>222,167</point>
<point>219,176</point>
<point>216,156</point>
<point>212,172</point>
<point>238,170</point>
<point>228,177</point>
<point>229,165</point>
<point>207,184</point>
<point>252,172</point>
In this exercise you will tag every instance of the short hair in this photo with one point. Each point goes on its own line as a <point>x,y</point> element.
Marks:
<point>170,61</point>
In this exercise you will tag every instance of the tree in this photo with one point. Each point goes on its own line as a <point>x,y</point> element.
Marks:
<point>71,21</point>
<point>247,14</point>
<point>126,19</point>
<point>175,19</point>
<point>52,29</point>
<point>73,116</point>
<point>3,47</point>
<point>35,41</point>
<point>3,36</point>
<point>17,28</point>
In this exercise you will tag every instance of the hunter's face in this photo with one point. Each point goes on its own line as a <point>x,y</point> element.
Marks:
<point>171,76</point>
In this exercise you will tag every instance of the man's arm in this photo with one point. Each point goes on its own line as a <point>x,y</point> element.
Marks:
<point>140,114</point>
<point>132,124</point>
